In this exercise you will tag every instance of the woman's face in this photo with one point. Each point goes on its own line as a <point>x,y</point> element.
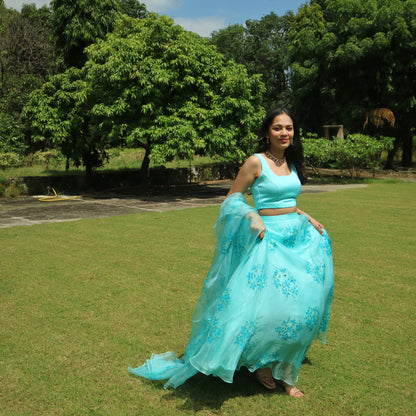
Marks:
<point>280,133</point>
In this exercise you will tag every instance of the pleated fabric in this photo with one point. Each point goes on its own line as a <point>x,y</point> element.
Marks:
<point>263,301</point>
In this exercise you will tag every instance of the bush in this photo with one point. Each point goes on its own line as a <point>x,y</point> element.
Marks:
<point>355,153</point>
<point>360,152</point>
<point>47,157</point>
<point>12,187</point>
<point>319,153</point>
<point>10,160</point>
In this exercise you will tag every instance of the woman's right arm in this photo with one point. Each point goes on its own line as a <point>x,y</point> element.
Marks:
<point>248,173</point>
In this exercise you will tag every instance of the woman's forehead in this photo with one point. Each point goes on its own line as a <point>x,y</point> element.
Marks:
<point>282,119</point>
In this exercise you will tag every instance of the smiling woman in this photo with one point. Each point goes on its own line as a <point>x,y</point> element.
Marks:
<point>269,290</point>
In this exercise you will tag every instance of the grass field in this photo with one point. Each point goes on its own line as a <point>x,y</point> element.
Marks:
<point>119,159</point>
<point>82,301</point>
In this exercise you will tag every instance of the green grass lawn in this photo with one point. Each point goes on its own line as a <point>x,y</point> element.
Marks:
<point>82,301</point>
<point>119,159</point>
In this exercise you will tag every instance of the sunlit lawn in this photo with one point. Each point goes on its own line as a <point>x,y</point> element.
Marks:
<point>119,159</point>
<point>82,301</point>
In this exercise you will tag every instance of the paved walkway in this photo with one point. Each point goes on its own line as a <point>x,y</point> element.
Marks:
<point>30,210</point>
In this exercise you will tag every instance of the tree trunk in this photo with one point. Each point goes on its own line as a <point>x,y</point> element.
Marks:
<point>407,149</point>
<point>87,160</point>
<point>390,156</point>
<point>144,170</point>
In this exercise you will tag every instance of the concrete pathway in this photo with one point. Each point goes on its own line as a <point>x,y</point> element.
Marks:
<point>30,210</point>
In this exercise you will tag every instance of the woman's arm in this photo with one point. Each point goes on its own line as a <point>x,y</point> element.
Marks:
<point>248,173</point>
<point>315,223</point>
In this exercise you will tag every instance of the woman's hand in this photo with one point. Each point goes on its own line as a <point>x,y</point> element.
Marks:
<point>256,224</point>
<point>319,227</point>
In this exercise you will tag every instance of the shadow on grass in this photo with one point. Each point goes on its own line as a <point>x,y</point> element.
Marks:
<point>209,393</point>
<point>203,392</point>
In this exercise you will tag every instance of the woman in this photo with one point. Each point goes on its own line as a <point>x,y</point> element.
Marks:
<point>269,289</point>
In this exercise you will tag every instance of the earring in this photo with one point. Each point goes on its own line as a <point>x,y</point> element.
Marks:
<point>267,141</point>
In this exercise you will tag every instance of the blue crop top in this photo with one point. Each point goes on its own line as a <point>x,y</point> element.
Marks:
<point>274,191</point>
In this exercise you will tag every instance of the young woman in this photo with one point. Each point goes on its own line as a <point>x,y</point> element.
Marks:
<point>269,289</point>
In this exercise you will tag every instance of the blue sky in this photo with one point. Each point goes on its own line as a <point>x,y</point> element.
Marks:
<point>204,16</point>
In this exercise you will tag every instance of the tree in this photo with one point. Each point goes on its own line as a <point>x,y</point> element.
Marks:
<point>153,85</point>
<point>267,54</point>
<point>262,47</point>
<point>133,8</point>
<point>26,59</point>
<point>59,115</point>
<point>231,42</point>
<point>349,57</point>
<point>168,91</point>
<point>79,23</point>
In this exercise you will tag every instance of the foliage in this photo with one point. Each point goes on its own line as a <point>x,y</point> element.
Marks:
<point>337,45</point>
<point>77,24</point>
<point>47,157</point>
<point>133,8</point>
<point>59,115</point>
<point>318,152</point>
<point>150,84</point>
<point>10,159</point>
<point>11,136</point>
<point>262,48</point>
<point>360,152</point>
<point>12,188</point>
<point>25,44</point>
<point>26,59</point>
<point>355,153</point>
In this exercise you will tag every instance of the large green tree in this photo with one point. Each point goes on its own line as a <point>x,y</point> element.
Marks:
<point>153,85</point>
<point>59,115</point>
<point>262,47</point>
<point>351,56</point>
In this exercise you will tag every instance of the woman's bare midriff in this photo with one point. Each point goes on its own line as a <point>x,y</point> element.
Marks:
<point>277,211</point>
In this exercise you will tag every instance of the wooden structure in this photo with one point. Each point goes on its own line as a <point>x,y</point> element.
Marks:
<point>332,130</point>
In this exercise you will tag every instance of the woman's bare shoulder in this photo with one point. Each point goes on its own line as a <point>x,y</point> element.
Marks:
<point>253,162</point>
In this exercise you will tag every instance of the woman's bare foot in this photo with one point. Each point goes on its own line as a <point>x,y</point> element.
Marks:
<point>291,391</point>
<point>265,377</point>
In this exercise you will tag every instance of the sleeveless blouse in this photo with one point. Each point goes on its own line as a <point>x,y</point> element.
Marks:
<point>275,191</point>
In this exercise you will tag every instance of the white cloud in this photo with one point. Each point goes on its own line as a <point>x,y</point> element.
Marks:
<point>162,6</point>
<point>204,26</point>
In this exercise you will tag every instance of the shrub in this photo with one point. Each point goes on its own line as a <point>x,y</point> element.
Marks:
<point>318,153</point>
<point>47,157</point>
<point>10,160</point>
<point>12,187</point>
<point>355,153</point>
<point>360,152</point>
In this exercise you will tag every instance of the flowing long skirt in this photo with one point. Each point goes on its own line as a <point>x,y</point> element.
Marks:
<point>262,304</point>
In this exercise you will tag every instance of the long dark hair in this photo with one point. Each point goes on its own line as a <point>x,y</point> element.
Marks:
<point>294,153</point>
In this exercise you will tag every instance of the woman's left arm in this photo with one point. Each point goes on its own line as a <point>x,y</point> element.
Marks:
<point>315,223</point>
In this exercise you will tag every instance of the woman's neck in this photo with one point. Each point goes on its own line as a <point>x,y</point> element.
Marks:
<point>279,154</point>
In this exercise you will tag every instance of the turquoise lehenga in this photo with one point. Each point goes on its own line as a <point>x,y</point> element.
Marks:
<point>263,301</point>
